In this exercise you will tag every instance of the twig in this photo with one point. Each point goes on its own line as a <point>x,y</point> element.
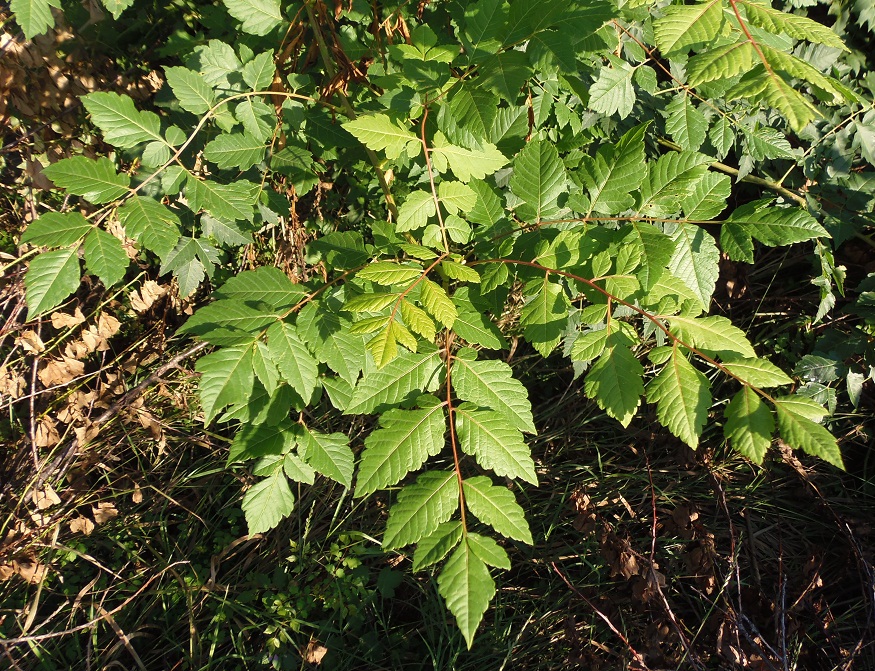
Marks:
<point>60,463</point>
<point>57,634</point>
<point>638,658</point>
<point>688,650</point>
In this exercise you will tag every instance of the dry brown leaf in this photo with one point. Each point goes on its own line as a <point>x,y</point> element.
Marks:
<point>76,350</point>
<point>104,512</point>
<point>32,571</point>
<point>94,341</point>
<point>315,653</point>
<point>46,497</point>
<point>61,320</point>
<point>143,299</point>
<point>81,525</point>
<point>107,325</point>
<point>30,342</point>
<point>6,571</point>
<point>46,434</point>
<point>85,434</point>
<point>60,371</point>
<point>137,495</point>
<point>12,384</point>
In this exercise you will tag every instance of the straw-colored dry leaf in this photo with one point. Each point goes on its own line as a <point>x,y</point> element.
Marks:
<point>104,512</point>
<point>76,350</point>
<point>150,292</point>
<point>137,495</point>
<point>61,371</point>
<point>81,525</point>
<point>315,653</point>
<point>107,325</point>
<point>46,434</point>
<point>61,320</point>
<point>93,341</point>
<point>85,434</point>
<point>6,572</point>
<point>12,384</point>
<point>30,342</point>
<point>46,497</point>
<point>31,570</point>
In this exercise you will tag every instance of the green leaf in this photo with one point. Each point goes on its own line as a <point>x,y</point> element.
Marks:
<point>590,345</point>
<point>489,438</point>
<point>695,260</point>
<point>226,377</point>
<point>505,74</point>
<point>421,508</point>
<point>417,320</point>
<point>749,425</point>
<point>261,440</point>
<point>714,333</point>
<point>191,90</point>
<point>259,72</point>
<point>707,198</point>
<point>435,300</point>
<point>803,433</point>
<point>257,118</point>
<point>123,125</point>
<point>264,368</point>
<point>798,27</point>
<point>415,211</point>
<point>224,232</point>
<point>380,133</point>
<point>490,384</point>
<point>235,150</point>
<point>329,454</point>
<point>298,470</point>
<point>466,164</point>
<point>34,16</point>
<point>473,325</point>
<point>686,124</point>
<point>682,27</point>
<point>150,223</point>
<point>721,135</point>
<point>434,547</point>
<point>458,271</point>
<point>116,7</point>
<point>54,229</point>
<point>467,589</point>
<point>94,179</point>
<point>538,179</point>
<point>293,360</point>
<point>456,196</point>
<point>407,438</point>
<point>406,376</point>
<point>721,63</point>
<point>612,93</point>
<point>105,257</point>
<point>670,180</point>
<point>267,502</point>
<point>50,278</point>
<point>682,395</point>
<point>758,372</point>
<point>615,172</point>
<point>804,406</point>
<point>230,321</point>
<point>258,17</point>
<point>224,201</point>
<point>387,273</point>
<point>264,285</point>
<point>775,226</point>
<point>497,507</point>
<point>657,250</point>
<point>614,383</point>
<point>488,550</point>
<point>189,261</point>
<point>545,316</point>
